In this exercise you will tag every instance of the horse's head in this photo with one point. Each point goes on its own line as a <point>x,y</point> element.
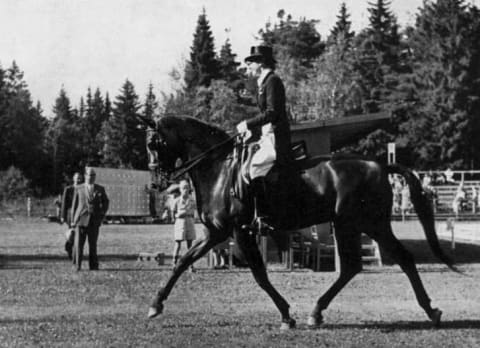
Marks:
<point>163,148</point>
<point>172,138</point>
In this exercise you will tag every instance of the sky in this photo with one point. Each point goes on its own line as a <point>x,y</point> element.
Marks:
<point>76,44</point>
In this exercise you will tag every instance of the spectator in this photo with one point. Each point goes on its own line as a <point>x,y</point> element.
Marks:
<point>66,211</point>
<point>440,179</point>
<point>429,189</point>
<point>397,194</point>
<point>478,199</point>
<point>90,204</point>
<point>220,255</point>
<point>459,200</point>
<point>184,228</point>
<point>405,194</point>
<point>449,176</point>
<point>427,180</point>
<point>474,199</point>
<point>173,191</point>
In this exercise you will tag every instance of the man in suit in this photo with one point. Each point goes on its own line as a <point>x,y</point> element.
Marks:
<point>66,211</point>
<point>90,204</point>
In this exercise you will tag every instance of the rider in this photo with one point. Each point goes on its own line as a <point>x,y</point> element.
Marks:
<point>275,141</point>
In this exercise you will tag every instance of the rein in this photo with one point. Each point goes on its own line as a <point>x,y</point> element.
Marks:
<point>185,167</point>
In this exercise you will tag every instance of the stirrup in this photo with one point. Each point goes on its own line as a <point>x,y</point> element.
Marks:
<point>258,225</point>
<point>153,165</point>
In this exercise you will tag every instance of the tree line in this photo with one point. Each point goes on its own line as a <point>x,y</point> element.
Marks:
<point>426,76</point>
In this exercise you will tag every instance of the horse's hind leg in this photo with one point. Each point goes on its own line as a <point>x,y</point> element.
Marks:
<point>193,254</point>
<point>248,245</point>
<point>404,258</point>
<point>349,251</point>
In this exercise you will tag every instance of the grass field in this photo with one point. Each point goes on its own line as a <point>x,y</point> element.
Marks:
<point>45,303</point>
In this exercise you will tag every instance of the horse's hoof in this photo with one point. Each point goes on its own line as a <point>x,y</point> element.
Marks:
<point>154,311</point>
<point>436,317</point>
<point>288,324</point>
<point>314,322</point>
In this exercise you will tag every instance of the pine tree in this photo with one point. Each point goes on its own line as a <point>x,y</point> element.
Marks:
<point>107,111</point>
<point>151,104</point>
<point>229,71</point>
<point>203,66</point>
<point>64,141</point>
<point>21,126</point>
<point>342,28</point>
<point>92,124</point>
<point>81,108</point>
<point>444,127</point>
<point>124,141</point>
<point>378,47</point>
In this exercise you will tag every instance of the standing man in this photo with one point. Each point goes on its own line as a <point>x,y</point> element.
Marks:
<point>66,211</point>
<point>90,204</point>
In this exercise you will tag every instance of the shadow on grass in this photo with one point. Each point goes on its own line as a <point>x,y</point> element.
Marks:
<point>463,253</point>
<point>405,325</point>
<point>61,257</point>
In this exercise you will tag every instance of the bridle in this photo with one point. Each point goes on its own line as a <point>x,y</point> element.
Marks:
<point>162,178</point>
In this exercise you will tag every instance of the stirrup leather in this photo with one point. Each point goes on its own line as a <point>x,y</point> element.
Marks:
<point>258,224</point>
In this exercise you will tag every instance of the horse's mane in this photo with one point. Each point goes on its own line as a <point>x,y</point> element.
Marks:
<point>194,127</point>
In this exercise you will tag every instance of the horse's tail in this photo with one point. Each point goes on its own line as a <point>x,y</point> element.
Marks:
<point>424,209</point>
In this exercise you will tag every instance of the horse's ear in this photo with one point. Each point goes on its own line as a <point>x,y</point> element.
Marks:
<point>146,121</point>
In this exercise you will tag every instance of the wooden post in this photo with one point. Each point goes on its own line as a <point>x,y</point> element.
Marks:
<point>451,228</point>
<point>230,254</point>
<point>29,207</point>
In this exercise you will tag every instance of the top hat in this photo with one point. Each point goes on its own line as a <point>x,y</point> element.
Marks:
<point>260,54</point>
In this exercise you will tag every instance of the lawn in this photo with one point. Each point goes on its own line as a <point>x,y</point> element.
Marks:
<point>45,303</point>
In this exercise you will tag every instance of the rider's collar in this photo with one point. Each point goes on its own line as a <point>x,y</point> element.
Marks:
<point>262,76</point>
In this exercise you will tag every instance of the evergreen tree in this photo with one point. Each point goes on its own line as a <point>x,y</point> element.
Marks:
<point>444,125</point>
<point>203,66</point>
<point>64,141</point>
<point>342,28</point>
<point>151,104</point>
<point>123,140</point>
<point>229,67</point>
<point>81,108</point>
<point>92,124</point>
<point>296,39</point>
<point>378,47</point>
<point>21,126</point>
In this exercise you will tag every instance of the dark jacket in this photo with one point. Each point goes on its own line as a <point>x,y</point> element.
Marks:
<point>89,209</point>
<point>271,101</point>
<point>66,207</point>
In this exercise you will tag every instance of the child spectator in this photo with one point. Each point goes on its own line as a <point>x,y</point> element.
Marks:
<point>184,227</point>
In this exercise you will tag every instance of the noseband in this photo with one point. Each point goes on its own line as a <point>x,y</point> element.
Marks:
<point>163,178</point>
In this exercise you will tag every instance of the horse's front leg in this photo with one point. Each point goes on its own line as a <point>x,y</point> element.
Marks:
<point>248,245</point>
<point>199,249</point>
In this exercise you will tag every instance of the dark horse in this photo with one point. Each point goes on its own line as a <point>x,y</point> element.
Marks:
<point>354,194</point>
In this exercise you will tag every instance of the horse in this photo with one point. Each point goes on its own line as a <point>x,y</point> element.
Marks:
<point>353,194</point>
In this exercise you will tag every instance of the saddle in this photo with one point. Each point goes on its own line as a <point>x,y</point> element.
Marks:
<point>301,160</point>
<point>281,181</point>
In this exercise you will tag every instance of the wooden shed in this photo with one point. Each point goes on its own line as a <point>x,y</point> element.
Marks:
<point>323,137</point>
